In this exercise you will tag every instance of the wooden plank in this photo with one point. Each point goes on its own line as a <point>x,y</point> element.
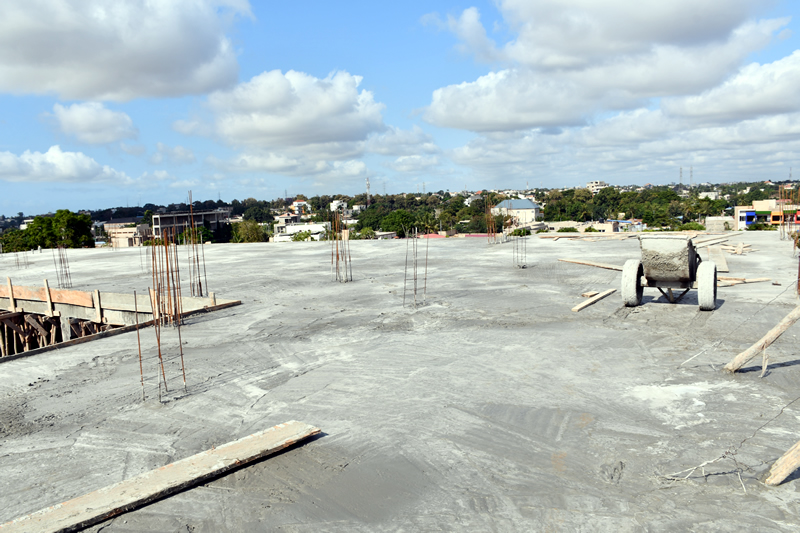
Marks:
<point>11,305</point>
<point>593,300</point>
<point>97,307</point>
<point>590,294</point>
<point>79,298</point>
<point>783,467</point>
<point>61,296</point>
<point>35,323</point>
<point>592,263</point>
<point>719,258</point>
<point>98,506</point>
<point>13,326</point>
<point>771,336</point>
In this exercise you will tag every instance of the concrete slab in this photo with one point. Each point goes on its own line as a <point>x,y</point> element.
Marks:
<point>89,509</point>
<point>492,408</point>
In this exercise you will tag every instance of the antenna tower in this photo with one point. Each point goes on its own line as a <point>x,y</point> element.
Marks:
<point>367,192</point>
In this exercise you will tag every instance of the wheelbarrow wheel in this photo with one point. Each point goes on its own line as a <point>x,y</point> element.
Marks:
<point>707,285</point>
<point>632,289</point>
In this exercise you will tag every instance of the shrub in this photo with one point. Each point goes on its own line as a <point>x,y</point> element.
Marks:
<point>690,226</point>
<point>590,229</point>
<point>760,226</point>
<point>567,230</point>
<point>521,232</point>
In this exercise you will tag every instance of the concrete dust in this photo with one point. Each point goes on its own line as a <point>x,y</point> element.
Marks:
<point>494,407</point>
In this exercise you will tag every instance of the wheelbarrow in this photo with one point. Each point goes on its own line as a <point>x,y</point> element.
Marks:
<point>669,262</point>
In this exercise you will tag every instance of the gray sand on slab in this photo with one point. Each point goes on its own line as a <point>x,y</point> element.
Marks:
<point>492,407</point>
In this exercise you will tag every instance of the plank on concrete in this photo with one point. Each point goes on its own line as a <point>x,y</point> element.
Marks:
<point>593,300</point>
<point>132,493</point>
<point>716,255</point>
<point>592,263</point>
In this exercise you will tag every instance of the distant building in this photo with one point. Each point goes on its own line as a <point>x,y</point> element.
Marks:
<point>711,195</point>
<point>522,211</point>
<point>772,211</point>
<point>471,199</point>
<point>596,186</point>
<point>126,237</point>
<point>178,222</point>
<point>316,231</point>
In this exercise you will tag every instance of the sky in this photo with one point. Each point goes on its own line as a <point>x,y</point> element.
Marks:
<point>107,103</point>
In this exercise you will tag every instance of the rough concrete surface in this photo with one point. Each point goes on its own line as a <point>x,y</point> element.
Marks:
<point>491,408</point>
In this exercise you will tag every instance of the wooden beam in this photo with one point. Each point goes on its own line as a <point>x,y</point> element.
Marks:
<point>11,305</point>
<point>716,255</point>
<point>592,263</point>
<point>783,467</point>
<point>98,506</point>
<point>13,326</point>
<point>589,294</point>
<point>771,336</point>
<point>30,319</point>
<point>97,307</point>
<point>593,300</point>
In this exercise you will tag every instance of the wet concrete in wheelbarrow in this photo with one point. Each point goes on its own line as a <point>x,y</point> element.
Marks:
<point>491,407</point>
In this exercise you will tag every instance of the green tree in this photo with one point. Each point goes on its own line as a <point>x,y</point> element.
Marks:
<point>247,231</point>
<point>301,236</point>
<point>398,221</point>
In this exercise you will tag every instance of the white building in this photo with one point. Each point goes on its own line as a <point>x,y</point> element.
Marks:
<point>522,211</point>
<point>595,186</point>
<point>317,230</point>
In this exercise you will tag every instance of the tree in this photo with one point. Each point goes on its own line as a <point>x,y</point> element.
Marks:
<point>368,233</point>
<point>398,221</point>
<point>148,218</point>
<point>247,231</point>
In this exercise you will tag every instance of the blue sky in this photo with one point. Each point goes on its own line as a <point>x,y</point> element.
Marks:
<point>105,103</point>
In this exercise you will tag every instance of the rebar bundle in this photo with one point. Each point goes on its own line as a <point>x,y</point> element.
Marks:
<point>198,280</point>
<point>491,226</point>
<point>62,268</point>
<point>519,251</point>
<point>411,285</point>
<point>341,264</point>
<point>21,260</point>
<point>789,198</point>
<point>165,297</point>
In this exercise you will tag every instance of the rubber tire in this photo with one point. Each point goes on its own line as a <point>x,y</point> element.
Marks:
<point>632,289</point>
<point>707,286</point>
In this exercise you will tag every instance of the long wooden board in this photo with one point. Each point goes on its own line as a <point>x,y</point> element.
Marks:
<point>593,300</point>
<point>61,296</point>
<point>135,492</point>
<point>716,255</point>
<point>592,263</point>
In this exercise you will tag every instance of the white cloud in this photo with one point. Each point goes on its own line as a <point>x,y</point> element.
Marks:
<point>755,91</point>
<point>92,123</point>
<point>396,141</point>
<point>192,127</point>
<point>56,166</point>
<point>295,109</point>
<point>178,154</point>
<point>573,60</point>
<point>96,50</point>
<point>414,163</point>
<point>133,149</point>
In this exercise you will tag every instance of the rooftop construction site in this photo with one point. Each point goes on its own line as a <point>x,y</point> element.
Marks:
<point>554,382</point>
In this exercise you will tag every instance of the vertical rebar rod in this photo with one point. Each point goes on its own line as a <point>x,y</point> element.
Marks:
<point>138,341</point>
<point>405,272</point>
<point>425,286</point>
